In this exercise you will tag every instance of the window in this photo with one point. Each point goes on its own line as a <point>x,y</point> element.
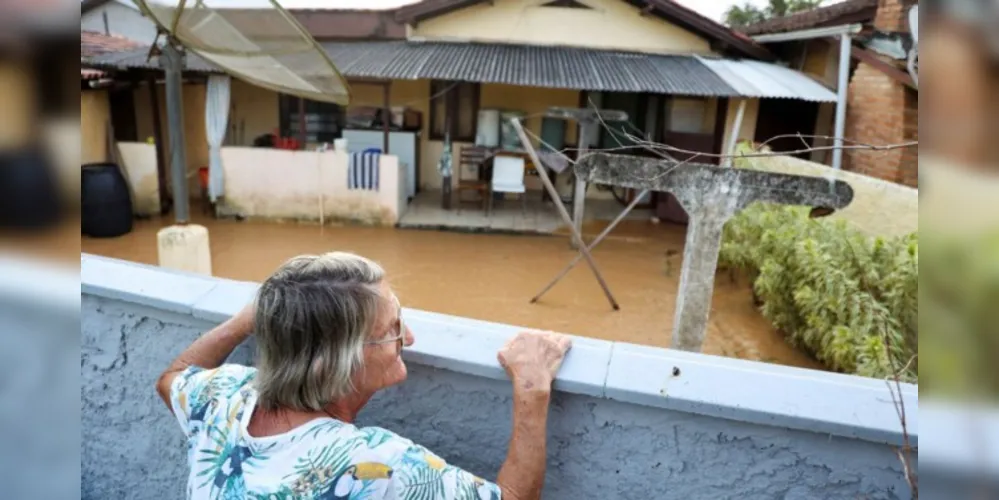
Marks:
<point>691,115</point>
<point>454,106</point>
<point>323,120</point>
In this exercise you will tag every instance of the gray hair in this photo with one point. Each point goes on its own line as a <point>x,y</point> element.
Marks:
<point>312,318</point>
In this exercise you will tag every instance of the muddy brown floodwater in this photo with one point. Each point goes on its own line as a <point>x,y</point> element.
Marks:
<point>492,277</point>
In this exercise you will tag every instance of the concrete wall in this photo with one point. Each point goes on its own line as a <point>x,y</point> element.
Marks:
<point>123,19</point>
<point>626,422</point>
<point>139,160</point>
<point>608,24</point>
<point>280,184</point>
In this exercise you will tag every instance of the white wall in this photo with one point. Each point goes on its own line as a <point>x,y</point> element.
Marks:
<point>123,19</point>
<point>139,161</point>
<point>279,184</point>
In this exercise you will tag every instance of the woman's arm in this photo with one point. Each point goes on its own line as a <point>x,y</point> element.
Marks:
<point>210,350</point>
<point>531,359</point>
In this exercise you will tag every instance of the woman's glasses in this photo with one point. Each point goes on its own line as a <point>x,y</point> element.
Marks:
<point>400,337</point>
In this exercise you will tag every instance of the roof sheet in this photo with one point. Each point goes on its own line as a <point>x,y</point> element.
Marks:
<point>541,66</point>
<point>766,80</point>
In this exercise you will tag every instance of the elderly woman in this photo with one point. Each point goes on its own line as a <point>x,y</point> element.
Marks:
<point>329,334</point>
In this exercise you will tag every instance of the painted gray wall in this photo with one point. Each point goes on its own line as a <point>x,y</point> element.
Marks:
<point>599,446</point>
<point>122,20</point>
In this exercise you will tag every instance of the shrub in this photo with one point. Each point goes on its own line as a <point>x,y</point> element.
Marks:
<point>847,298</point>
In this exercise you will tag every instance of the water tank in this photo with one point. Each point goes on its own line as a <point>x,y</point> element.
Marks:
<point>29,191</point>
<point>489,128</point>
<point>106,201</point>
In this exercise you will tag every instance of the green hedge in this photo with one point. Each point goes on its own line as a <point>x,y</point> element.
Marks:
<point>847,298</point>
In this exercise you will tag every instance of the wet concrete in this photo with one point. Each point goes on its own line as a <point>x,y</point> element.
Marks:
<point>492,277</point>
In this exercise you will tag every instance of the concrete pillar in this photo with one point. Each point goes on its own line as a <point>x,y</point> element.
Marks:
<point>185,248</point>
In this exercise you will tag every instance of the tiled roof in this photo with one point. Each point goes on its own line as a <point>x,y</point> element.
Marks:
<point>849,11</point>
<point>532,66</point>
<point>93,44</point>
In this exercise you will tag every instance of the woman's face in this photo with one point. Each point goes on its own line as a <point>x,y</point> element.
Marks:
<point>383,365</point>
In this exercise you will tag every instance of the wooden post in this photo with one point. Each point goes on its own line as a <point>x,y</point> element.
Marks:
<point>543,175</point>
<point>302,135</point>
<point>386,116</point>
<point>624,213</point>
<point>161,167</point>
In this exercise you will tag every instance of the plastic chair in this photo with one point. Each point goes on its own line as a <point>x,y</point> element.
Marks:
<point>508,177</point>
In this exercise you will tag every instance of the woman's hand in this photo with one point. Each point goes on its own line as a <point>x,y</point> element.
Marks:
<point>532,358</point>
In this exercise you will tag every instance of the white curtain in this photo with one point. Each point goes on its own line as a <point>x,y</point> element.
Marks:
<point>216,121</point>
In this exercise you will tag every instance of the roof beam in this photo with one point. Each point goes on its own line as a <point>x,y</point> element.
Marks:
<point>809,34</point>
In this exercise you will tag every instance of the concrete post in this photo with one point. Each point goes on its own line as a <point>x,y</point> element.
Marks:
<point>183,246</point>
<point>711,195</point>
<point>172,61</point>
<point>734,134</point>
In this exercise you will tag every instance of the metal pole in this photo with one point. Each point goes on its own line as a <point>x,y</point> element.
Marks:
<point>172,61</point>
<point>579,190</point>
<point>734,134</point>
<point>841,90</point>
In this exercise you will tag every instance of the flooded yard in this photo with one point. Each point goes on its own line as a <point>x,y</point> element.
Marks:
<point>493,277</point>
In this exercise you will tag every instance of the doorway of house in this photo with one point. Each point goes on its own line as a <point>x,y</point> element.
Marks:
<point>787,117</point>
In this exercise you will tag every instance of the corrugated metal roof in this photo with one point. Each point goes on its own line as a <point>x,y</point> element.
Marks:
<point>529,65</point>
<point>541,66</point>
<point>765,80</point>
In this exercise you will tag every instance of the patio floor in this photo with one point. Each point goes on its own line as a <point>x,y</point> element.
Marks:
<point>507,216</point>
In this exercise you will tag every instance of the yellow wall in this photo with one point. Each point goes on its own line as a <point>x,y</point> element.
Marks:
<point>610,24</point>
<point>822,61</point>
<point>196,142</point>
<point>17,102</point>
<point>94,116</point>
<point>253,110</point>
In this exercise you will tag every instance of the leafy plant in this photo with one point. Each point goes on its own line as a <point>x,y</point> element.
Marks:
<point>847,298</point>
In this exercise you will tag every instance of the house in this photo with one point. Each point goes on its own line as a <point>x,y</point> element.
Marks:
<point>680,77</point>
<point>882,99</point>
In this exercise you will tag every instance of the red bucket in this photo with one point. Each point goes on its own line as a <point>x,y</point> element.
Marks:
<point>203,177</point>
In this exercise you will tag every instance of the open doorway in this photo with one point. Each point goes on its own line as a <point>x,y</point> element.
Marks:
<point>787,117</point>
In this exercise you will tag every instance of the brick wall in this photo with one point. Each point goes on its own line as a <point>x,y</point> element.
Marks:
<point>893,15</point>
<point>882,111</point>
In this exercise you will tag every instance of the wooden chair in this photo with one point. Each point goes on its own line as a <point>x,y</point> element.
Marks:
<point>473,158</point>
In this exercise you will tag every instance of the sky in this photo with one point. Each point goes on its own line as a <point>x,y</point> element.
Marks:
<point>710,8</point>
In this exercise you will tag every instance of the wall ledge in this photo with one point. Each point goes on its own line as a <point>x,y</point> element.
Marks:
<point>772,395</point>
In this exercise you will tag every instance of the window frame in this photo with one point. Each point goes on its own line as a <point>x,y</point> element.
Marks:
<point>288,105</point>
<point>451,110</point>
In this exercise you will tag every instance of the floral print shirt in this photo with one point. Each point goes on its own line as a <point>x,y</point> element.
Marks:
<point>322,459</point>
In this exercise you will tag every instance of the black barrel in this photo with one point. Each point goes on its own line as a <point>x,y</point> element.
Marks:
<point>29,191</point>
<point>106,201</point>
